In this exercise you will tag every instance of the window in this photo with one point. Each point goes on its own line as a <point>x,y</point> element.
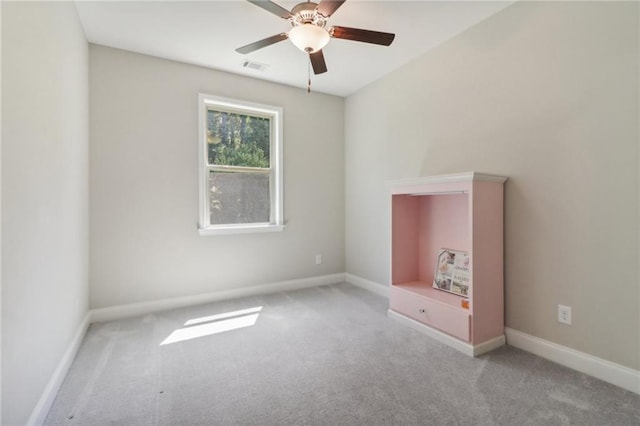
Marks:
<point>240,166</point>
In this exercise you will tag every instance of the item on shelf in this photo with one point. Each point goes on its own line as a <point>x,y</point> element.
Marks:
<point>452,272</point>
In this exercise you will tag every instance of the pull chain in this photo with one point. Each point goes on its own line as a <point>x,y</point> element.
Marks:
<point>309,76</point>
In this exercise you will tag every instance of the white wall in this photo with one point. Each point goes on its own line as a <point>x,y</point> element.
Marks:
<point>44,196</point>
<point>144,184</point>
<point>545,93</point>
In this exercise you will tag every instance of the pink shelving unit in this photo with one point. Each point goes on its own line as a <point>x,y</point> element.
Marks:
<point>459,212</point>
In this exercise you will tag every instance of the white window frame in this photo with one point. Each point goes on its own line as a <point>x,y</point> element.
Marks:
<point>276,221</point>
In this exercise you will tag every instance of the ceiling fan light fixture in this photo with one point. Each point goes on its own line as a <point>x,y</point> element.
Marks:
<point>309,37</point>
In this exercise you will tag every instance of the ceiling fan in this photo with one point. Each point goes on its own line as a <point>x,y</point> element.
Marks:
<point>309,32</point>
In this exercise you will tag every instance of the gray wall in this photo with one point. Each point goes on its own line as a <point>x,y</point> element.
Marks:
<point>144,184</point>
<point>545,93</point>
<point>45,200</point>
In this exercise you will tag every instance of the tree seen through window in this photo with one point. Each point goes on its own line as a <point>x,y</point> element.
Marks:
<point>238,139</point>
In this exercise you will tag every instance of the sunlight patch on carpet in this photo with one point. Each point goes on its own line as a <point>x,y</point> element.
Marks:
<point>214,324</point>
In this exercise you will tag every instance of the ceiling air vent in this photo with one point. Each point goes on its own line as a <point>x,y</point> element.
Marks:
<point>254,66</point>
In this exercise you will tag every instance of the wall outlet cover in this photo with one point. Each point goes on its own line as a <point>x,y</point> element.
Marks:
<point>564,314</point>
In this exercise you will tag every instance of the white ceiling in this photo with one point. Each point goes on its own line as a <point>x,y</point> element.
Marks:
<point>207,33</point>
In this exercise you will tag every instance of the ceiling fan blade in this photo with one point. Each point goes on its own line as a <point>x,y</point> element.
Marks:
<point>252,47</point>
<point>317,62</point>
<point>270,6</point>
<point>366,36</point>
<point>327,7</point>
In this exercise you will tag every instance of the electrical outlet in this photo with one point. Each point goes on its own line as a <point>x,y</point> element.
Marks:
<point>318,259</point>
<point>564,314</point>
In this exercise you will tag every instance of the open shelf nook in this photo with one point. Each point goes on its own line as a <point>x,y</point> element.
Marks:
<point>461,212</point>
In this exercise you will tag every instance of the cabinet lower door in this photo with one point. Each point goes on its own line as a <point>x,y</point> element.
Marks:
<point>433,313</point>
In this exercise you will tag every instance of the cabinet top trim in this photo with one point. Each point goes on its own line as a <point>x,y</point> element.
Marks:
<point>457,177</point>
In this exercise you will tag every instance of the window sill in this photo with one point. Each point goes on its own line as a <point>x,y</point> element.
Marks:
<point>240,229</point>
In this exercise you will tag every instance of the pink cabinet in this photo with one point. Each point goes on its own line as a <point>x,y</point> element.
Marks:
<point>462,212</point>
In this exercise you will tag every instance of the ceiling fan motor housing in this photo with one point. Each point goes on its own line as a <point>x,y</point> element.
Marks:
<point>306,13</point>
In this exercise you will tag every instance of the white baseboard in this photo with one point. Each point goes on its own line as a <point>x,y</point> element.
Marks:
<point>143,308</point>
<point>465,348</point>
<point>372,286</point>
<point>489,345</point>
<point>39,413</point>
<point>610,372</point>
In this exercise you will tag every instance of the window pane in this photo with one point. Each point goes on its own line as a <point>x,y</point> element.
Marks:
<point>239,197</point>
<point>237,139</point>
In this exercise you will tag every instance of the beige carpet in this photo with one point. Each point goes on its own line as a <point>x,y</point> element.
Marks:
<point>321,356</point>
